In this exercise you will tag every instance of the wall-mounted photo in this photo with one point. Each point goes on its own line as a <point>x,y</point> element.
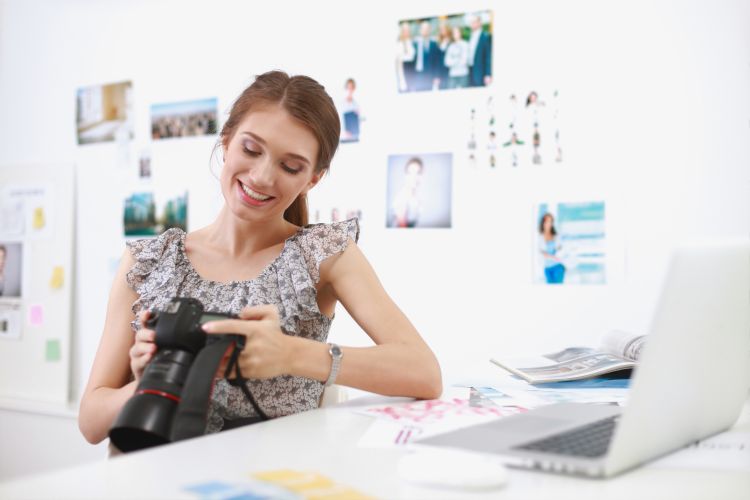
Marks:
<point>104,113</point>
<point>530,125</point>
<point>419,190</point>
<point>335,214</point>
<point>146,214</point>
<point>569,243</point>
<point>11,259</point>
<point>184,119</point>
<point>351,115</point>
<point>444,52</point>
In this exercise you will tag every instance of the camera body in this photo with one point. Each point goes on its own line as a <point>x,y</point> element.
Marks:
<point>146,419</point>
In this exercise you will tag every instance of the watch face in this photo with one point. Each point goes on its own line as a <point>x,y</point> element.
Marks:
<point>335,350</point>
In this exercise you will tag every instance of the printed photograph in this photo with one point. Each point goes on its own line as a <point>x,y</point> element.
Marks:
<point>144,165</point>
<point>145,214</point>
<point>10,320</point>
<point>531,132</point>
<point>444,52</point>
<point>104,113</point>
<point>334,214</point>
<point>184,119</point>
<point>419,190</point>
<point>349,110</point>
<point>569,243</point>
<point>514,131</point>
<point>11,255</point>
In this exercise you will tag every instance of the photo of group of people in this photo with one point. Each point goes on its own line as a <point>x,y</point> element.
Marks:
<point>184,119</point>
<point>104,113</point>
<point>419,190</point>
<point>145,215</point>
<point>444,52</point>
<point>569,243</point>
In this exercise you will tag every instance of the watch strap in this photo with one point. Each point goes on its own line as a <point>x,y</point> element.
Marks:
<point>336,355</point>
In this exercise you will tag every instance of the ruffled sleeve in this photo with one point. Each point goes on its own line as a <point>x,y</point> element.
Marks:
<point>321,241</point>
<point>298,272</point>
<point>154,265</point>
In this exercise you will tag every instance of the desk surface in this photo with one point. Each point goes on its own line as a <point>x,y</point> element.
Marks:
<point>325,441</point>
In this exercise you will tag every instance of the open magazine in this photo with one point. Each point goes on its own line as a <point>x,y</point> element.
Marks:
<point>619,352</point>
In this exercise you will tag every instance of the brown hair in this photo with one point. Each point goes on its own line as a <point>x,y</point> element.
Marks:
<point>307,101</point>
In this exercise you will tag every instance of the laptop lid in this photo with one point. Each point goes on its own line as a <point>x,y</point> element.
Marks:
<point>694,374</point>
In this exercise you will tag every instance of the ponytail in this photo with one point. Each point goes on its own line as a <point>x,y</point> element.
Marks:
<point>296,213</point>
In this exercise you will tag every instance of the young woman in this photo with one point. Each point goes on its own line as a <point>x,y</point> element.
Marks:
<point>261,260</point>
<point>554,269</point>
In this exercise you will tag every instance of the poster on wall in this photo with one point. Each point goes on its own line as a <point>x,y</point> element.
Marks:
<point>334,214</point>
<point>419,188</point>
<point>520,131</point>
<point>10,320</point>
<point>444,52</point>
<point>26,211</point>
<point>350,113</point>
<point>184,119</point>
<point>569,244</point>
<point>104,113</point>
<point>11,260</point>
<point>150,214</point>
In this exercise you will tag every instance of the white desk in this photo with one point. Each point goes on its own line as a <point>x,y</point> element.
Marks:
<point>325,441</point>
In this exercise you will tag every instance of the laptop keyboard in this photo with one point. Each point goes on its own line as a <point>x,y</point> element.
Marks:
<point>589,441</point>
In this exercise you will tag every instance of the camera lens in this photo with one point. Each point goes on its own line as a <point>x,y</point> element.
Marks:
<point>146,418</point>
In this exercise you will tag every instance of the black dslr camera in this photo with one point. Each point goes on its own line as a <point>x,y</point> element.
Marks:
<point>171,400</point>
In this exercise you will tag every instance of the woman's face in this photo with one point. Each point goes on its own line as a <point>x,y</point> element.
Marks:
<point>268,162</point>
<point>547,223</point>
<point>456,34</point>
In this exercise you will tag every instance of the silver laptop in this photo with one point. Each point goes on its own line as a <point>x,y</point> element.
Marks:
<point>691,382</point>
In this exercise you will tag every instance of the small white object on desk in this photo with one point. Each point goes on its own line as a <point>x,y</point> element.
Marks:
<point>447,468</point>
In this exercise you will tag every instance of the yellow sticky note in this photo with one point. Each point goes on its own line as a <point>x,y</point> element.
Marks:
<point>58,277</point>
<point>311,485</point>
<point>38,218</point>
<point>338,494</point>
<point>278,476</point>
<point>296,480</point>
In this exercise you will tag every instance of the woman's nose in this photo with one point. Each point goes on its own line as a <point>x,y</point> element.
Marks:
<point>262,173</point>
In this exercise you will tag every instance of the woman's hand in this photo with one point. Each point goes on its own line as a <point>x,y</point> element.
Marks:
<point>144,348</point>
<point>267,348</point>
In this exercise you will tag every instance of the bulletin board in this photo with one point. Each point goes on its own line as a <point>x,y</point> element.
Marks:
<point>36,259</point>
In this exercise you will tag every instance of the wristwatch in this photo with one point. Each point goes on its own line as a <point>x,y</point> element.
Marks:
<point>336,355</point>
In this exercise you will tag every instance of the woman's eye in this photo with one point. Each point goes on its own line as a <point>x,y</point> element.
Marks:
<point>289,169</point>
<point>251,152</point>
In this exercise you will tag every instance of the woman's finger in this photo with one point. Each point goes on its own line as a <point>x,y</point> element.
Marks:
<point>228,326</point>
<point>144,335</point>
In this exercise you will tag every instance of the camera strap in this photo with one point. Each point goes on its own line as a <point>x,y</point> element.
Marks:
<point>239,380</point>
<point>192,413</point>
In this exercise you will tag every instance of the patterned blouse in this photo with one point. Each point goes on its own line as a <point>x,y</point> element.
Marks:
<point>162,271</point>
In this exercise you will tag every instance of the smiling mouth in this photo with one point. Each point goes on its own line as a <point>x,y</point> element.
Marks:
<point>254,194</point>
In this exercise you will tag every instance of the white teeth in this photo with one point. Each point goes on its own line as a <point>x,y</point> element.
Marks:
<point>252,194</point>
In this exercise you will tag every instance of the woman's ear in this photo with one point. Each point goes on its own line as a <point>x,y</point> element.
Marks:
<point>315,179</point>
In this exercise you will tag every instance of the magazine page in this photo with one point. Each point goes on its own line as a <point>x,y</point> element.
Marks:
<point>623,344</point>
<point>577,368</point>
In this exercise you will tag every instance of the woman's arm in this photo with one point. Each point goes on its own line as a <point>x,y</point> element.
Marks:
<point>108,386</point>
<point>401,364</point>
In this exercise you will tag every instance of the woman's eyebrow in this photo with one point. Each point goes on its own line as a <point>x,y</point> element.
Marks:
<point>262,141</point>
<point>256,137</point>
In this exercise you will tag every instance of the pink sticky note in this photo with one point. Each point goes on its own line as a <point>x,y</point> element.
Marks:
<point>36,315</point>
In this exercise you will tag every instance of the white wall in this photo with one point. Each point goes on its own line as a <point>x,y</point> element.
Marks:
<point>656,118</point>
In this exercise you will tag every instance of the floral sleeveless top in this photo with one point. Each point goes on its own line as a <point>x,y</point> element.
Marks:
<point>162,271</point>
